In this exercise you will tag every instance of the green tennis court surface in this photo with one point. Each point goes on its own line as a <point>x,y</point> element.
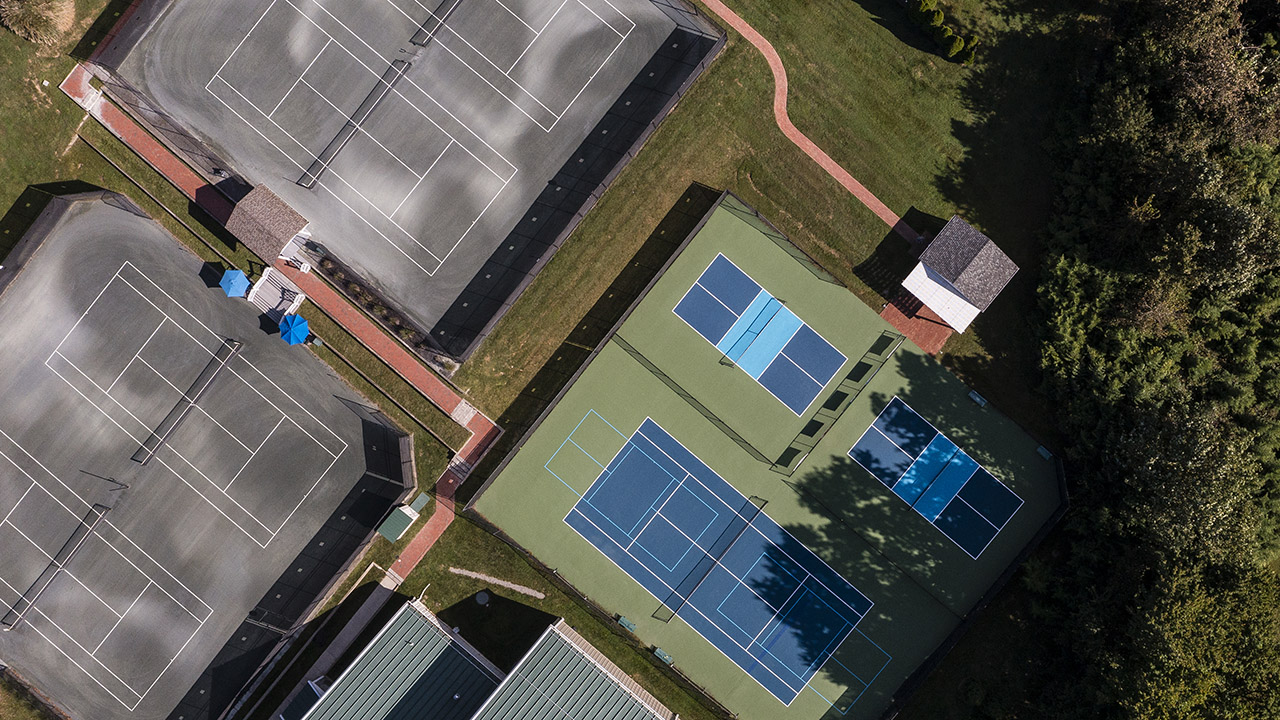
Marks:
<point>791,500</point>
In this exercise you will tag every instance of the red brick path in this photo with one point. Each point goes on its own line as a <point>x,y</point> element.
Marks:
<point>917,322</point>
<point>793,133</point>
<point>483,430</point>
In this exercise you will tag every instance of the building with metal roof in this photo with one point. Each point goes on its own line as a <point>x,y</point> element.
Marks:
<point>565,678</point>
<point>417,668</point>
<point>960,274</point>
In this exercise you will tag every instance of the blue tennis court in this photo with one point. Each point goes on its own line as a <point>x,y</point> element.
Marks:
<point>714,559</point>
<point>759,334</point>
<point>934,476</point>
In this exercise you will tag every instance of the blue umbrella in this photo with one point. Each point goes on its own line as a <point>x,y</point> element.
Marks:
<point>293,328</point>
<point>234,283</point>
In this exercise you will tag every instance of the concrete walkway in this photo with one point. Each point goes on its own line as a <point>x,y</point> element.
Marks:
<point>793,133</point>
<point>484,432</point>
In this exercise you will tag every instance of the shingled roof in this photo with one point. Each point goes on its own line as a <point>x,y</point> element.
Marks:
<point>264,223</point>
<point>968,260</point>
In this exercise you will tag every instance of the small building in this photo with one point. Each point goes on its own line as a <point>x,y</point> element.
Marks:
<point>265,223</point>
<point>418,668</point>
<point>960,274</point>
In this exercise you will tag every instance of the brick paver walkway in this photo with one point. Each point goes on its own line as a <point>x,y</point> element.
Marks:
<point>922,325</point>
<point>484,432</point>
<point>793,133</point>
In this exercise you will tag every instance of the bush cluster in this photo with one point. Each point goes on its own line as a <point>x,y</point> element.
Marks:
<point>930,18</point>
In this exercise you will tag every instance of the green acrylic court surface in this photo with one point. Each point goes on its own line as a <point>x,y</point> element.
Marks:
<point>785,495</point>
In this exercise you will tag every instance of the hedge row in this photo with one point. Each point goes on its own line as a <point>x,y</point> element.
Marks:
<point>930,18</point>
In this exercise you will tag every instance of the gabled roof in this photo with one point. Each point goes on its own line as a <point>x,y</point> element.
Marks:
<point>264,223</point>
<point>415,669</point>
<point>970,262</point>
<point>564,677</point>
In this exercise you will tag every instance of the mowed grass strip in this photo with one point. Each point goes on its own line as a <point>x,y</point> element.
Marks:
<point>467,546</point>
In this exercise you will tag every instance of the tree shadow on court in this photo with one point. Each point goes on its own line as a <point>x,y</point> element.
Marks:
<point>898,559</point>
<point>593,329</point>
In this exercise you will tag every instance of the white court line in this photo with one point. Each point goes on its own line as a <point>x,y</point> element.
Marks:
<point>479,52</point>
<point>94,654</point>
<point>422,177</point>
<point>72,660</point>
<point>536,35</point>
<point>355,212</point>
<point>177,474</point>
<point>756,639</point>
<point>253,454</point>
<point>353,188</point>
<point>359,127</point>
<point>87,504</point>
<point>135,356</point>
<point>752,526</point>
<point>558,116</point>
<point>295,82</point>
<point>605,22</point>
<point>513,14</point>
<point>24,497</point>
<point>321,183</point>
<point>216,336</point>
<point>378,75</point>
<point>673,591</point>
<point>182,393</point>
<point>236,49</point>
<point>59,568</point>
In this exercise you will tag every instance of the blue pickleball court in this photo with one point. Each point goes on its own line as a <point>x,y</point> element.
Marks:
<point>716,560</point>
<point>759,334</point>
<point>934,476</point>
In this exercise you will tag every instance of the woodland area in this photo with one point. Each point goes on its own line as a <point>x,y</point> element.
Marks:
<point>1161,308</point>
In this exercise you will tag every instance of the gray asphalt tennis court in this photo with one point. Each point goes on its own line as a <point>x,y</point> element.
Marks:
<point>413,134</point>
<point>148,501</point>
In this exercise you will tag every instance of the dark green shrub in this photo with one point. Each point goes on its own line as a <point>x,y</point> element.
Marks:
<point>967,56</point>
<point>942,34</point>
<point>934,18</point>
<point>953,46</point>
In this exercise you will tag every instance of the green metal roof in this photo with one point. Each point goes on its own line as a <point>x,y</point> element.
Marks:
<point>394,527</point>
<point>413,670</point>
<point>564,678</point>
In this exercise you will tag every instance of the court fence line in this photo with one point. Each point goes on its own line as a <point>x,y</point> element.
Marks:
<point>916,679</point>
<point>607,619</point>
<point>702,23</point>
<point>518,438</point>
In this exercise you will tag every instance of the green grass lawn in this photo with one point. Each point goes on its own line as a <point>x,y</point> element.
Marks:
<point>469,547</point>
<point>15,705</point>
<point>929,137</point>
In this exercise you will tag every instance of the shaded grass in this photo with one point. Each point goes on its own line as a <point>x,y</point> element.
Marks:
<point>467,546</point>
<point>15,705</point>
